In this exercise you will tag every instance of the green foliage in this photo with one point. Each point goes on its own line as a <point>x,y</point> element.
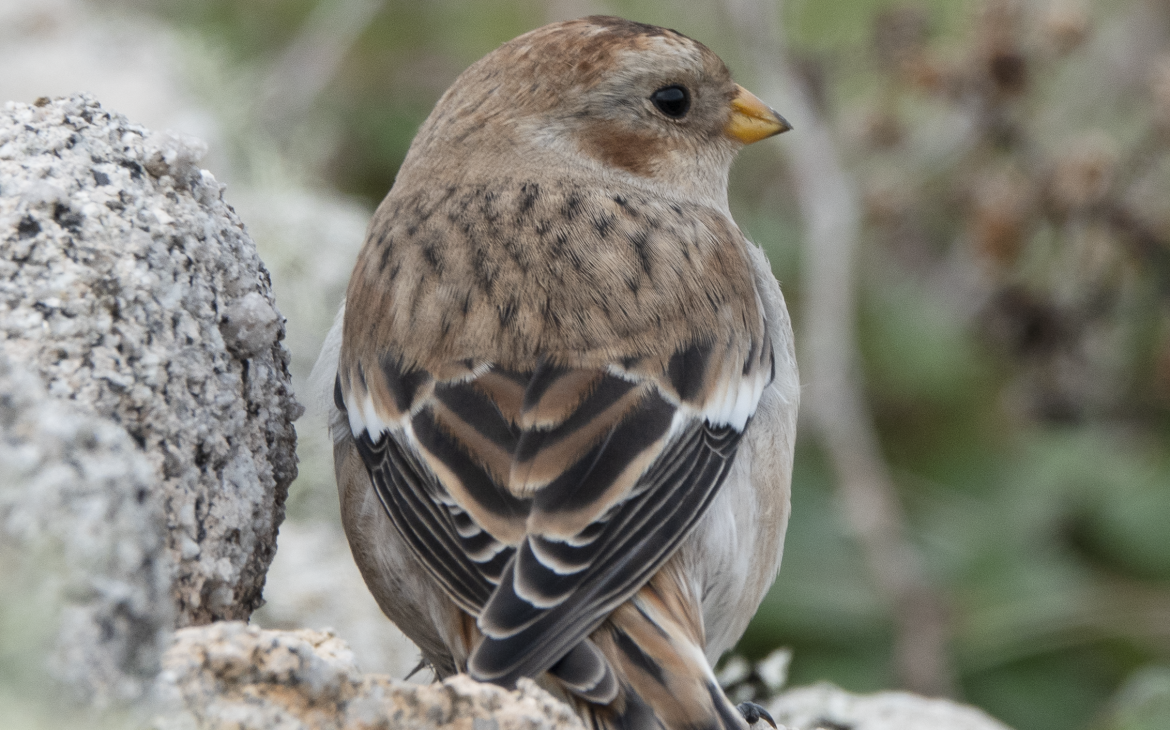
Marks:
<point>1143,703</point>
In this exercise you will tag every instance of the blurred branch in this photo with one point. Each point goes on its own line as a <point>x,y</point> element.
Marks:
<point>312,60</point>
<point>834,398</point>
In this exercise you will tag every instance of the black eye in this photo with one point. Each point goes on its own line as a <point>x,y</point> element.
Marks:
<point>673,101</point>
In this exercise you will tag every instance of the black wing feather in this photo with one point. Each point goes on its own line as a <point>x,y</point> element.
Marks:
<point>537,603</point>
<point>524,640</point>
<point>406,491</point>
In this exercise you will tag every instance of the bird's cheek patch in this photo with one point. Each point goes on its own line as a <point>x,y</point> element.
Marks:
<point>629,150</point>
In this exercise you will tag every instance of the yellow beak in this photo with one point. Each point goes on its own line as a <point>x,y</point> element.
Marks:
<point>751,119</point>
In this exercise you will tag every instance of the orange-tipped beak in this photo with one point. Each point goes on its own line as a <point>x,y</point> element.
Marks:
<point>753,120</point>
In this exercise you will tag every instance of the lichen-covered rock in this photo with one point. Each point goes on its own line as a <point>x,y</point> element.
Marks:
<point>229,675</point>
<point>314,583</point>
<point>80,548</point>
<point>826,706</point>
<point>131,288</point>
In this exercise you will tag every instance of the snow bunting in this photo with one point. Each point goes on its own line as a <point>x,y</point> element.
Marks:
<point>565,386</point>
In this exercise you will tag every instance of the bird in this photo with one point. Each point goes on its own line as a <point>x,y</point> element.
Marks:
<point>563,385</point>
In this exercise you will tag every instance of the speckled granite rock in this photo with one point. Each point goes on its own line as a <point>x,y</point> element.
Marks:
<point>831,708</point>
<point>229,675</point>
<point>132,289</point>
<point>80,547</point>
<point>313,583</point>
<point>242,677</point>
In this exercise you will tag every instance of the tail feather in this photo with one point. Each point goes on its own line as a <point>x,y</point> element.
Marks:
<point>585,672</point>
<point>644,668</point>
<point>654,642</point>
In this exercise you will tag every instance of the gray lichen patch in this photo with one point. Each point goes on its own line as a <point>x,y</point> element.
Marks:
<point>133,289</point>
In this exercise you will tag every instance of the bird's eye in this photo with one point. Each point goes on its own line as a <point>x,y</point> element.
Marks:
<point>673,101</point>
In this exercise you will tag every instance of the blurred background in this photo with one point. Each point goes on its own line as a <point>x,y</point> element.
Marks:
<point>971,224</point>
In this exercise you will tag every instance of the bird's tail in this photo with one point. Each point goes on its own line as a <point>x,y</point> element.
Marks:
<point>654,644</point>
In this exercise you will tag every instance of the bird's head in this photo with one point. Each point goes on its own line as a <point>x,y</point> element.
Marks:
<point>597,97</point>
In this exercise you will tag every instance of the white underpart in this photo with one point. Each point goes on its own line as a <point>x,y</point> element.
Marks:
<point>735,402</point>
<point>747,399</point>
<point>736,548</point>
<point>363,416</point>
<point>356,425</point>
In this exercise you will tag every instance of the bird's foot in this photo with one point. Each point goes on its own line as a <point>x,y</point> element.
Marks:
<point>753,713</point>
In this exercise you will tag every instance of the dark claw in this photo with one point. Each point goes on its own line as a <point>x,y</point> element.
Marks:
<point>422,664</point>
<point>753,713</point>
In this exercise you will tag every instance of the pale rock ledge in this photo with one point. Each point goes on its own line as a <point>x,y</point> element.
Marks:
<point>229,675</point>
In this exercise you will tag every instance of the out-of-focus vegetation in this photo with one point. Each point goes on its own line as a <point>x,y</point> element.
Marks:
<point>1014,163</point>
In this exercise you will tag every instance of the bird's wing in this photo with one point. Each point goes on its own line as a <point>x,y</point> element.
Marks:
<point>542,500</point>
<point>434,476</point>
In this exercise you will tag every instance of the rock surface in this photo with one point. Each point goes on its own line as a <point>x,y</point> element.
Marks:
<point>829,707</point>
<point>313,583</point>
<point>131,288</point>
<point>232,675</point>
<point>246,678</point>
<point>81,546</point>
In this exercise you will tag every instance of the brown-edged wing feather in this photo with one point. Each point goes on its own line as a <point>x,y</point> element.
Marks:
<point>655,639</point>
<point>456,550</point>
<point>557,590</point>
<point>542,514</point>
